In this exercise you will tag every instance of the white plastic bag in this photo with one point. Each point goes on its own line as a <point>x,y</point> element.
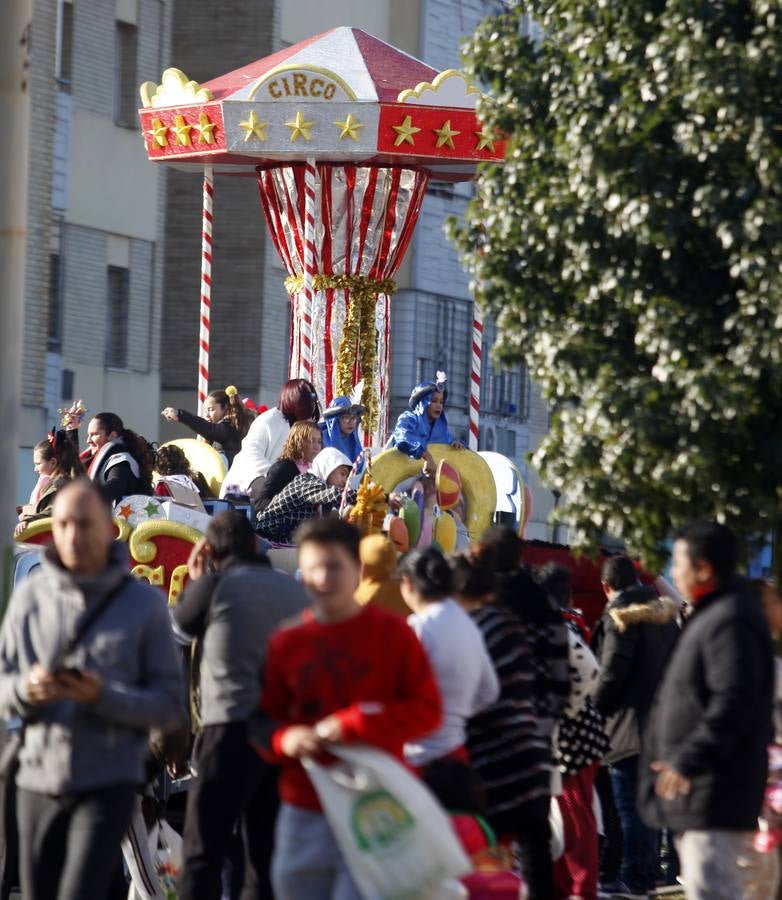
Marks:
<point>396,840</point>
<point>165,855</point>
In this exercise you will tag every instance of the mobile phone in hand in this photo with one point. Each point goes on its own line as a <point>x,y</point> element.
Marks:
<point>69,670</point>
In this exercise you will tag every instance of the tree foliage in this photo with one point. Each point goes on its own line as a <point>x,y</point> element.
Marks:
<point>630,250</point>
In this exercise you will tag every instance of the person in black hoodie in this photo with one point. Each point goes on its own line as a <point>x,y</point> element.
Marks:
<point>633,641</point>
<point>232,603</point>
<point>705,758</point>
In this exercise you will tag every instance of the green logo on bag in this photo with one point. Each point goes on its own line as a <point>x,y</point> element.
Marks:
<point>379,820</point>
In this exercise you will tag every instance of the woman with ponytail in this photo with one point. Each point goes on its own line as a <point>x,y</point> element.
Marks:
<point>456,651</point>
<point>57,460</point>
<point>224,424</point>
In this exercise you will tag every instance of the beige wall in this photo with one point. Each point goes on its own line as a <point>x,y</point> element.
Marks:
<point>394,21</point>
<point>132,395</point>
<point>114,158</point>
<point>188,400</point>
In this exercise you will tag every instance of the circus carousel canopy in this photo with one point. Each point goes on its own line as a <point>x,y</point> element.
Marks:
<point>342,96</point>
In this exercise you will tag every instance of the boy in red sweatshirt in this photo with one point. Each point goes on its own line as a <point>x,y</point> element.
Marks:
<point>341,673</point>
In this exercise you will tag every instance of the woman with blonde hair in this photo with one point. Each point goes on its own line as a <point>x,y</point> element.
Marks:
<point>302,445</point>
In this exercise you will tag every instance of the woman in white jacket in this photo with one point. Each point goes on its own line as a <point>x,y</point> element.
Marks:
<point>262,444</point>
<point>454,644</point>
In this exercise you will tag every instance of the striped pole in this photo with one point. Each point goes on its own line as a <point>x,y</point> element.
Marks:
<point>475,376</point>
<point>206,288</point>
<point>306,368</point>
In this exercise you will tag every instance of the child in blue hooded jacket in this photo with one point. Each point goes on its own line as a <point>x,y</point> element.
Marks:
<point>340,427</point>
<point>424,423</point>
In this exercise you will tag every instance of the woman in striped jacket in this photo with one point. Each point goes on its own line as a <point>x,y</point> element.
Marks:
<point>508,750</point>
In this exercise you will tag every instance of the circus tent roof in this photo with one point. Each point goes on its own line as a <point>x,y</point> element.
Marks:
<point>340,96</point>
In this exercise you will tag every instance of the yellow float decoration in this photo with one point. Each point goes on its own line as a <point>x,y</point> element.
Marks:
<point>203,458</point>
<point>39,531</point>
<point>391,467</point>
<point>444,532</point>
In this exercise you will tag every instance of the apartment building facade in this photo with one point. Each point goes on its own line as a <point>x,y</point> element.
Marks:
<point>95,217</point>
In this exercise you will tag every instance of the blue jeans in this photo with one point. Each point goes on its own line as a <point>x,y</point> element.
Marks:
<point>641,844</point>
<point>308,864</point>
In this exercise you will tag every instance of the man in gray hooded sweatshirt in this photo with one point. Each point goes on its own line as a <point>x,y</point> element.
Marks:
<point>87,713</point>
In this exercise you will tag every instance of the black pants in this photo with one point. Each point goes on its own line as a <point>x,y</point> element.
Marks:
<point>9,839</point>
<point>69,846</point>
<point>529,825</point>
<point>232,784</point>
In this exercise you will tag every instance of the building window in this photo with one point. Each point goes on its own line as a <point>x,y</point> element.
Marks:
<point>67,383</point>
<point>117,318</point>
<point>125,75</point>
<point>65,47</point>
<point>54,334</point>
<point>506,442</point>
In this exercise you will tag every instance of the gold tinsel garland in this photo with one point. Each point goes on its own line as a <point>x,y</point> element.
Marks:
<point>371,506</point>
<point>359,335</point>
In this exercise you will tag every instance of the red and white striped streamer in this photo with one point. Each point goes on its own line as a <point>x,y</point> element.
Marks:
<point>363,218</point>
<point>475,376</point>
<point>206,287</point>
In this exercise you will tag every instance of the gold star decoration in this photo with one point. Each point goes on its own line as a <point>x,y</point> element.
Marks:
<point>159,133</point>
<point>300,128</point>
<point>405,132</point>
<point>485,140</point>
<point>445,135</point>
<point>182,131</point>
<point>205,129</point>
<point>254,126</point>
<point>350,127</point>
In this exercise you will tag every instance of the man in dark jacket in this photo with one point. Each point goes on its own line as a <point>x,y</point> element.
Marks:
<point>233,610</point>
<point>705,757</point>
<point>633,641</point>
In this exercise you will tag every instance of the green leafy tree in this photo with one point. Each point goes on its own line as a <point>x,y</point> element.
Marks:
<point>630,250</point>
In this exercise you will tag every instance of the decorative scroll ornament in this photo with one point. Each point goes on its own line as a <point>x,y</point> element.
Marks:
<point>450,88</point>
<point>175,89</point>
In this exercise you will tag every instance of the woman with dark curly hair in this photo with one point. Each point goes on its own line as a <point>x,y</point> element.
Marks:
<point>173,477</point>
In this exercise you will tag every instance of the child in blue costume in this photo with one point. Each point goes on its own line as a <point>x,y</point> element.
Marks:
<point>424,423</point>
<point>340,427</point>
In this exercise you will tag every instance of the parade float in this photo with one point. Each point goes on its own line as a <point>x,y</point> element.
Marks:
<point>341,134</point>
